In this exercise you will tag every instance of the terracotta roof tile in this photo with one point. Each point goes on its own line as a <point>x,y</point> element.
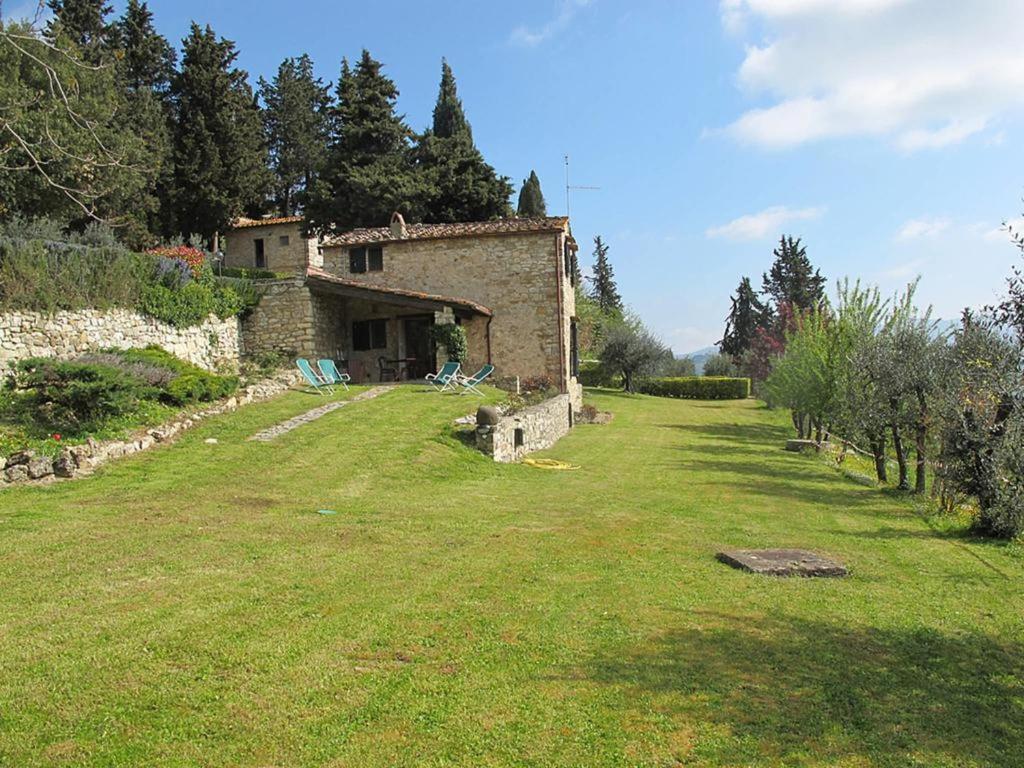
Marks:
<point>242,222</point>
<point>314,274</point>
<point>440,231</point>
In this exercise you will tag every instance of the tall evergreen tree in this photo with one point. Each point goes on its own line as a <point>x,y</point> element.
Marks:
<point>145,67</point>
<point>748,314</point>
<point>792,279</point>
<point>219,147</point>
<point>458,184</point>
<point>602,287</point>
<point>531,199</point>
<point>147,59</point>
<point>296,115</point>
<point>369,172</point>
<point>82,22</point>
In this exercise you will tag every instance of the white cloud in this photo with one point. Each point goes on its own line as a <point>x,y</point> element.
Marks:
<point>1003,233</point>
<point>925,227</point>
<point>921,73</point>
<point>766,223</point>
<point>530,37</point>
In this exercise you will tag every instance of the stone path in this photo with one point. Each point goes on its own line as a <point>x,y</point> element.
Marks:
<point>305,418</point>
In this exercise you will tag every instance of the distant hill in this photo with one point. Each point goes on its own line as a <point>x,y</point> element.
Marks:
<point>699,356</point>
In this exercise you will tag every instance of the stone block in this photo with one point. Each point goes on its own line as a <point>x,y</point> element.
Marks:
<point>16,474</point>
<point>39,467</point>
<point>782,562</point>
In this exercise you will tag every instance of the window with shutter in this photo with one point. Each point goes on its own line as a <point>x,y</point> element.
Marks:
<point>356,260</point>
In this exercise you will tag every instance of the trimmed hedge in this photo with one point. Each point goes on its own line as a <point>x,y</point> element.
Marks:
<point>697,388</point>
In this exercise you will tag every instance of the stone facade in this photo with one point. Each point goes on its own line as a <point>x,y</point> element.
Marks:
<point>283,245</point>
<point>532,429</point>
<point>214,344</point>
<point>519,276</point>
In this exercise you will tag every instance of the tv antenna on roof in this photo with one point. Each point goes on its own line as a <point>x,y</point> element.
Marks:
<point>569,187</point>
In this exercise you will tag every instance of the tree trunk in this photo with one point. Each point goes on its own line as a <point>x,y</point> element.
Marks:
<point>901,457</point>
<point>798,424</point>
<point>921,444</point>
<point>878,449</point>
<point>627,381</point>
<point>818,432</point>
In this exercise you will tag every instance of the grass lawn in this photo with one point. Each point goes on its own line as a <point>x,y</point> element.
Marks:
<point>188,606</point>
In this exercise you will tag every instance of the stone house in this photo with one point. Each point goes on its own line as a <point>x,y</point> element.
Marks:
<point>274,244</point>
<point>369,297</point>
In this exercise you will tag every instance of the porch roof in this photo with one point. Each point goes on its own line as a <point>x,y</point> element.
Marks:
<point>317,279</point>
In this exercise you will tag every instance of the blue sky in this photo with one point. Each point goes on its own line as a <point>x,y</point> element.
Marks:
<point>886,133</point>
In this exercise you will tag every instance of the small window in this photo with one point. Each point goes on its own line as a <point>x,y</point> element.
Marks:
<point>261,256</point>
<point>356,260</point>
<point>369,334</point>
<point>283,240</point>
<point>375,259</point>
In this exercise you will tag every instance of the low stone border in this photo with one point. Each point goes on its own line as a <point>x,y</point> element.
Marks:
<point>77,460</point>
<point>305,418</point>
<point>509,437</point>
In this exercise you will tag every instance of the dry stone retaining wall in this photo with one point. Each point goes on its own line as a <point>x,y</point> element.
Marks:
<point>211,345</point>
<point>532,429</point>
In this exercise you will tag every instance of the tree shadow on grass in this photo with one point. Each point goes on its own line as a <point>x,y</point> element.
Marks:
<point>747,434</point>
<point>791,691</point>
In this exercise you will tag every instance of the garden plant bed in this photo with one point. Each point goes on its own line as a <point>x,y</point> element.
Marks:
<point>83,458</point>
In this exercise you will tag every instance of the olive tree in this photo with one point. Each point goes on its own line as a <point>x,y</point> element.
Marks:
<point>633,351</point>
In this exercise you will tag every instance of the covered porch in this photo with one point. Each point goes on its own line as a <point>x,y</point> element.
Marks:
<point>378,333</point>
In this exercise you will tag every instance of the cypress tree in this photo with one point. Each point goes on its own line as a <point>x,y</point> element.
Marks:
<point>296,115</point>
<point>145,68</point>
<point>531,199</point>
<point>147,59</point>
<point>458,184</point>
<point>748,314</point>
<point>792,279</point>
<point>219,150</point>
<point>602,288</point>
<point>369,172</point>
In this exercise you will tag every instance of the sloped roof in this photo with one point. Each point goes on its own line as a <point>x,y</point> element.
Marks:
<point>371,235</point>
<point>357,289</point>
<point>242,222</point>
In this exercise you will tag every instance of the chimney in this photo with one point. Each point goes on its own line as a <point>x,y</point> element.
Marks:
<point>398,230</point>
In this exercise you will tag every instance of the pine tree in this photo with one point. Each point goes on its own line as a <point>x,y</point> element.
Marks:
<point>145,67</point>
<point>82,22</point>
<point>369,172</point>
<point>792,279</point>
<point>748,314</point>
<point>531,199</point>
<point>296,115</point>
<point>219,150</point>
<point>603,289</point>
<point>458,184</point>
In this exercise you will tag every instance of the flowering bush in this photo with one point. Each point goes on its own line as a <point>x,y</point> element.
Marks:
<point>193,257</point>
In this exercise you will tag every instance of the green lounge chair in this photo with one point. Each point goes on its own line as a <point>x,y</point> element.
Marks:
<point>469,384</point>
<point>446,378</point>
<point>320,385</point>
<point>330,373</point>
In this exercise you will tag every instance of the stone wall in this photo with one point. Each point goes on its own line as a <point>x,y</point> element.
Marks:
<point>281,256</point>
<point>532,429</point>
<point>213,344</point>
<point>284,320</point>
<point>518,276</point>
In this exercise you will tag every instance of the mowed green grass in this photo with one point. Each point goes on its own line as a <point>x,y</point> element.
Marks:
<point>188,606</point>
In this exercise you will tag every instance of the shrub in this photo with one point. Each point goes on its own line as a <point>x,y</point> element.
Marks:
<point>453,338</point>
<point>71,396</point>
<point>593,374</point>
<point>194,258</point>
<point>247,273</point>
<point>540,383</point>
<point>46,276</point>
<point>697,388</point>
<point>187,383</point>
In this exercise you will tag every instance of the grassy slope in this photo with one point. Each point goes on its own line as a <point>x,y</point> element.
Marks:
<point>188,606</point>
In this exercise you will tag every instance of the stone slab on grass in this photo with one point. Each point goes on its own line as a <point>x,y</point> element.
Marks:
<point>782,562</point>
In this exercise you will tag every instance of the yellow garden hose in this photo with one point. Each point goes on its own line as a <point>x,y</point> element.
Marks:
<point>549,464</point>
